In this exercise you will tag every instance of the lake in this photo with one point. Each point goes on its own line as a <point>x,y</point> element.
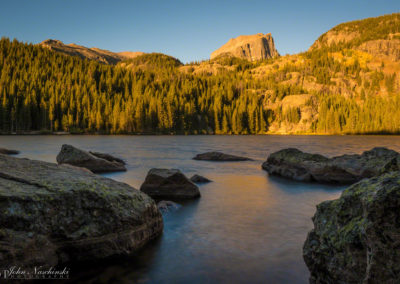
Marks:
<point>247,227</point>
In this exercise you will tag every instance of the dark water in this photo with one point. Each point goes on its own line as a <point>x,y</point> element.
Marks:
<point>246,228</point>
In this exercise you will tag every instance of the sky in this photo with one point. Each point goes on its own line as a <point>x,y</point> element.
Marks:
<point>188,30</point>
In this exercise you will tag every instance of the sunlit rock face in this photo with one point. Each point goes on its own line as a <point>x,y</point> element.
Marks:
<point>252,47</point>
<point>52,214</point>
<point>356,237</point>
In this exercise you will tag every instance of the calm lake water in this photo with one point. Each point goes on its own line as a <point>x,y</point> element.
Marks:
<point>246,228</point>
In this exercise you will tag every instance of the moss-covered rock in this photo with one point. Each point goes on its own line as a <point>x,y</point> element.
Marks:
<point>356,238</point>
<point>295,164</point>
<point>51,214</point>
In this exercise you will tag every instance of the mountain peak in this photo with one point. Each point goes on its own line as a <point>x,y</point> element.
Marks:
<point>52,42</point>
<point>252,47</point>
<point>100,55</point>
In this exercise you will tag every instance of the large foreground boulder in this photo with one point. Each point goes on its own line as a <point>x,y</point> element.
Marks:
<point>96,162</point>
<point>169,184</point>
<point>8,151</point>
<point>356,238</point>
<point>219,157</point>
<point>52,214</point>
<point>346,169</point>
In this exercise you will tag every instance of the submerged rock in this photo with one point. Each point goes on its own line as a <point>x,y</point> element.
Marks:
<point>356,238</point>
<point>346,169</point>
<point>218,156</point>
<point>199,179</point>
<point>96,162</point>
<point>8,151</point>
<point>52,214</point>
<point>169,184</point>
<point>166,206</point>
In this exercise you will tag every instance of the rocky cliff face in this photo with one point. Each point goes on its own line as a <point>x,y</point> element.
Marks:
<point>386,48</point>
<point>335,37</point>
<point>100,55</point>
<point>389,49</point>
<point>251,47</point>
<point>356,237</point>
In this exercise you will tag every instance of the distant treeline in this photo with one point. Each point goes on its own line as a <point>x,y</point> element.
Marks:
<point>45,90</point>
<point>42,90</point>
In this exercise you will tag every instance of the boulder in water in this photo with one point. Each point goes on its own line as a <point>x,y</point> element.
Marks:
<point>346,169</point>
<point>169,184</point>
<point>97,162</point>
<point>199,179</point>
<point>219,157</point>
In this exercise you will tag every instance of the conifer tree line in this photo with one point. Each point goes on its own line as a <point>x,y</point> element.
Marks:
<point>45,90</point>
<point>42,90</point>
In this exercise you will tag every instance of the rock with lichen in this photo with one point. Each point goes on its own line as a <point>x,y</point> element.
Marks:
<point>356,238</point>
<point>52,214</point>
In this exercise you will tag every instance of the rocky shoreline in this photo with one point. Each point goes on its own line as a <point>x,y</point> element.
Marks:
<point>64,213</point>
